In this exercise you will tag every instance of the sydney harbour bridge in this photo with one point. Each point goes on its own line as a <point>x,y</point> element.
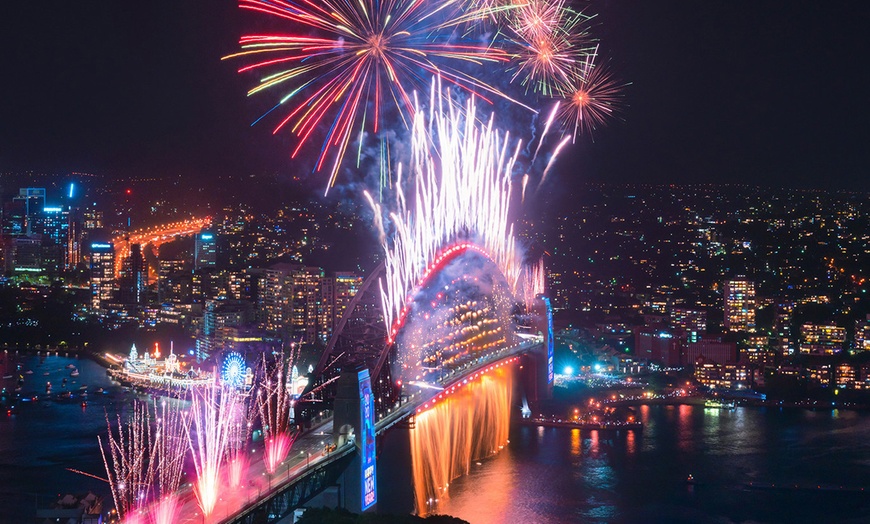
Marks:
<point>467,354</point>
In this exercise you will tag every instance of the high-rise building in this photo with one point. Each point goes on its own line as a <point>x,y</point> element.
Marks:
<point>205,251</point>
<point>102,274</point>
<point>166,270</point>
<point>739,304</point>
<point>216,317</point>
<point>347,285</point>
<point>134,277</point>
<point>692,321</point>
<point>862,334</point>
<point>33,199</point>
<point>55,230</point>
<point>782,325</point>
<point>305,293</point>
<point>822,339</point>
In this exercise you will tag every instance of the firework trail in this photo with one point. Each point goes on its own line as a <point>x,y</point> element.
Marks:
<point>126,459</point>
<point>167,458</point>
<point>552,161</point>
<point>273,400</point>
<point>350,62</point>
<point>208,433</point>
<point>242,423</point>
<point>534,282</point>
<point>462,179</point>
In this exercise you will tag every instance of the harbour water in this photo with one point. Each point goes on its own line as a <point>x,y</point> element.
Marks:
<point>46,436</point>
<point>746,463</point>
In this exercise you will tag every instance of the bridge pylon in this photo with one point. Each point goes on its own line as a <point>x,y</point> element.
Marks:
<point>354,421</point>
<point>540,374</point>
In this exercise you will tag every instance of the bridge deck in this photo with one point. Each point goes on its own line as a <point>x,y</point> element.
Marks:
<point>308,450</point>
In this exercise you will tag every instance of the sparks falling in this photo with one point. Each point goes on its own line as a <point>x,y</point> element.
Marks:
<point>273,400</point>
<point>462,178</point>
<point>208,433</point>
<point>126,455</point>
<point>167,458</point>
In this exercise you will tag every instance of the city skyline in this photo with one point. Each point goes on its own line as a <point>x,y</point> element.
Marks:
<point>745,93</point>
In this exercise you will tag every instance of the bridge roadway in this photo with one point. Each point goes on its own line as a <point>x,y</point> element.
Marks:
<point>423,395</point>
<point>308,452</point>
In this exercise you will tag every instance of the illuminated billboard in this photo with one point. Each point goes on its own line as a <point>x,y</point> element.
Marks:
<point>367,440</point>
<point>550,371</point>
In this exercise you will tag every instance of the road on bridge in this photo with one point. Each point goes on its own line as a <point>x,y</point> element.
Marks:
<point>307,452</point>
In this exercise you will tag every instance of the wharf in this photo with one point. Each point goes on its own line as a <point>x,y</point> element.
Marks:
<point>569,424</point>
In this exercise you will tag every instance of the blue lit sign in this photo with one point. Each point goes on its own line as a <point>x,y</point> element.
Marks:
<point>97,245</point>
<point>71,186</point>
<point>550,372</point>
<point>367,440</point>
<point>207,236</point>
<point>52,210</point>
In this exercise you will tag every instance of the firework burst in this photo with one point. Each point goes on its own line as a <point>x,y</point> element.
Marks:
<point>352,59</point>
<point>534,282</point>
<point>462,176</point>
<point>167,458</point>
<point>240,435</point>
<point>550,39</point>
<point>126,455</point>
<point>273,400</point>
<point>212,414</point>
<point>593,98</point>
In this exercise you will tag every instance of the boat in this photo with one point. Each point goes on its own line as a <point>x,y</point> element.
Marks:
<point>70,366</point>
<point>719,404</point>
<point>48,387</point>
<point>6,377</point>
<point>28,372</point>
<point>74,373</point>
<point>46,374</point>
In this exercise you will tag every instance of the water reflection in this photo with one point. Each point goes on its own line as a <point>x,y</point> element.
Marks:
<point>575,442</point>
<point>627,477</point>
<point>470,424</point>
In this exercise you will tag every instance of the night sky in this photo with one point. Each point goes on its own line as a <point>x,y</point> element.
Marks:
<point>771,93</point>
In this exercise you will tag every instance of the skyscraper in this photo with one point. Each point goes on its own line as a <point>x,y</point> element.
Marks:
<point>205,251</point>
<point>134,277</point>
<point>739,304</point>
<point>102,274</point>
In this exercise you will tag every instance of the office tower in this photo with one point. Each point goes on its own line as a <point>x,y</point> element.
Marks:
<point>55,231</point>
<point>33,200</point>
<point>692,321</point>
<point>739,304</point>
<point>134,277</point>
<point>102,274</point>
<point>205,251</point>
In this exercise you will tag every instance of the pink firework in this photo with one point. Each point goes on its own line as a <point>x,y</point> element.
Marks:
<point>273,399</point>
<point>550,41</point>
<point>240,436</point>
<point>593,98</point>
<point>211,420</point>
<point>126,455</point>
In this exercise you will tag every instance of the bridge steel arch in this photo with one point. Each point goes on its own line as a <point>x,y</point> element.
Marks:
<point>361,338</point>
